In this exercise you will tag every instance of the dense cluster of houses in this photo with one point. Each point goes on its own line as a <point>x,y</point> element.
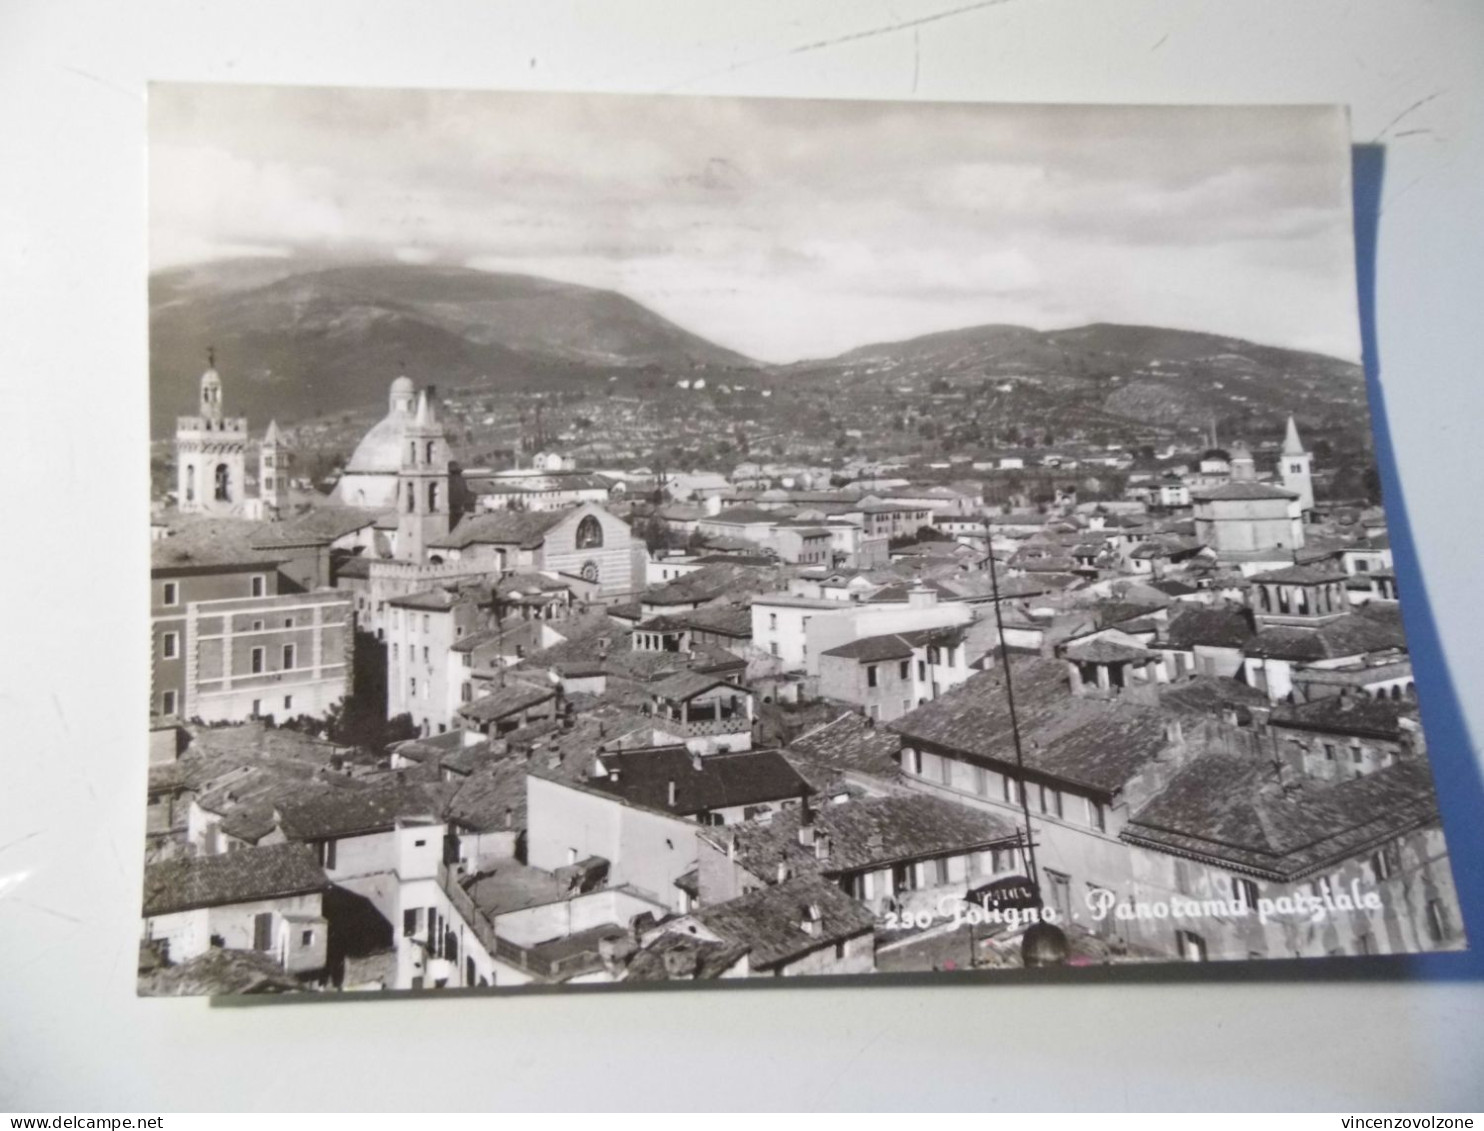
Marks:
<point>792,751</point>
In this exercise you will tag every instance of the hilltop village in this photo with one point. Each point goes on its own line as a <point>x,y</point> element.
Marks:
<point>454,726</point>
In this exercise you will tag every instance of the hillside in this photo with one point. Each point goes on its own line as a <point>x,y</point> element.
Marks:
<point>304,339</point>
<point>1102,377</point>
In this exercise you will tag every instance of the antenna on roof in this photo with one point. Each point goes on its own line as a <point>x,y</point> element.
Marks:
<point>210,357</point>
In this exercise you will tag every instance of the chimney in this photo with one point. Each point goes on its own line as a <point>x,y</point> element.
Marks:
<point>682,962</point>
<point>822,846</point>
<point>670,794</point>
<point>782,871</point>
<point>695,761</point>
<point>920,596</point>
<point>811,921</point>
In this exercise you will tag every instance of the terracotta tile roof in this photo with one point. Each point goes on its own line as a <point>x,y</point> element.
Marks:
<point>1228,809</point>
<point>850,743</point>
<point>358,812</point>
<point>1093,743</point>
<point>1207,696</point>
<point>1352,635</point>
<point>318,527</point>
<point>1346,714</point>
<point>863,835</point>
<point>686,685</point>
<point>1317,573</point>
<point>1242,490</point>
<point>1103,651</point>
<point>249,874</point>
<point>769,922</point>
<point>1216,628</point>
<point>526,529</point>
<point>702,959</point>
<point>706,783</point>
<point>199,542</point>
<point>506,701</point>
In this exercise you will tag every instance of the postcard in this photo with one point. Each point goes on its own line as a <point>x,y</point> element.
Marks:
<point>613,539</point>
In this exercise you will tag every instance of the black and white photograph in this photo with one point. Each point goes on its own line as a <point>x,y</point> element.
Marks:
<point>610,539</point>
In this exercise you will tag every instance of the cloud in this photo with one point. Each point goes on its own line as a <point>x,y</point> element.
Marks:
<point>790,228</point>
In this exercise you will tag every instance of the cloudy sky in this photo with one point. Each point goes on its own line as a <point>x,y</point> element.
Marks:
<point>789,229</point>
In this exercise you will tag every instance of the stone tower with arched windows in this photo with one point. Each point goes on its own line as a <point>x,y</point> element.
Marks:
<point>273,471</point>
<point>1296,467</point>
<point>210,453</point>
<point>424,508</point>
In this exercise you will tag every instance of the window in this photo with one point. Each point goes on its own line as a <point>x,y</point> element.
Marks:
<point>167,702</point>
<point>257,661</point>
<point>589,533</point>
<point>1191,946</point>
<point>396,648</point>
<point>1329,751</point>
<point>1244,891</point>
<point>870,675</point>
<point>306,938</point>
<point>223,484</point>
<point>425,653</point>
<point>467,692</point>
<point>288,657</point>
<point>433,498</point>
<point>921,670</point>
<point>257,626</point>
<point>773,647</point>
<point>1012,790</point>
<point>839,951</point>
<point>168,645</point>
<point>1437,920</point>
<point>288,702</point>
<point>1051,801</point>
<point>258,585</point>
<point>940,871</point>
<point>904,670</point>
<point>412,921</point>
<point>171,594</point>
<point>773,620</point>
<point>412,688</point>
<point>468,659</point>
<point>426,622</point>
<point>327,853</point>
<point>257,707</point>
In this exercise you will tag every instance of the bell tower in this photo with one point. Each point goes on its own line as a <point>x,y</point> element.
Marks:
<point>210,452</point>
<point>424,506</point>
<point>1296,467</point>
<point>273,471</point>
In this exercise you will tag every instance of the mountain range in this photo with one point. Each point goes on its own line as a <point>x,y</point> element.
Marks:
<point>297,339</point>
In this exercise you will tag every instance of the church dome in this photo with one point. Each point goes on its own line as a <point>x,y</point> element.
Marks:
<point>370,477</point>
<point>380,450</point>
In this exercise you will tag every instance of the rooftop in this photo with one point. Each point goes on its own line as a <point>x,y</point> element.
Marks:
<point>702,783</point>
<point>247,875</point>
<point>849,742</point>
<point>1230,809</point>
<point>769,922</point>
<point>863,835</point>
<point>1093,743</point>
<point>526,529</point>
